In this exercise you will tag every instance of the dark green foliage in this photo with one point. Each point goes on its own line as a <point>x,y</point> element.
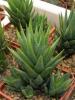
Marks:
<point>67,33</point>
<point>3,62</point>
<point>36,59</point>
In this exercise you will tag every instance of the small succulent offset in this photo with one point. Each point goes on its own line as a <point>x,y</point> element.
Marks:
<point>36,59</point>
<point>58,84</point>
<point>3,62</point>
<point>66,31</point>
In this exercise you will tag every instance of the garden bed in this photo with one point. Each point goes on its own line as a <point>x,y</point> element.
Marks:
<point>9,29</point>
<point>12,40</point>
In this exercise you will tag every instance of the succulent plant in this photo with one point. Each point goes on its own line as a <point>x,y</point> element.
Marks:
<point>3,62</point>
<point>20,12</point>
<point>59,84</point>
<point>36,59</point>
<point>66,31</point>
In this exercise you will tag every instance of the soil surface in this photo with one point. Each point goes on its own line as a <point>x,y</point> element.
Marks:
<point>70,63</point>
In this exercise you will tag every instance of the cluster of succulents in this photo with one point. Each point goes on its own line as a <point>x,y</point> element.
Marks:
<point>36,58</point>
<point>37,61</point>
